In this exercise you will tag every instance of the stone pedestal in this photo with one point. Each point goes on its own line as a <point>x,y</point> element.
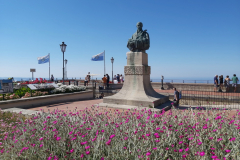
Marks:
<point>137,89</point>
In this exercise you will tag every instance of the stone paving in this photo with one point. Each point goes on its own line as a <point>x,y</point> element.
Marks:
<point>88,103</point>
<point>71,105</point>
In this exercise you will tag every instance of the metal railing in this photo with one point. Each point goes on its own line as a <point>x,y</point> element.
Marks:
<point>212,99</point>
<point>183,81</point>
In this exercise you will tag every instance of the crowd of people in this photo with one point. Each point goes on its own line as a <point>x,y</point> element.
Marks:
<point>219,83</point>
<point>106,80</point>
<point>118,78</point>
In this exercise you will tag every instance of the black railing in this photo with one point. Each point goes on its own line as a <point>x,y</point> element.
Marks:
<point>206,99</point>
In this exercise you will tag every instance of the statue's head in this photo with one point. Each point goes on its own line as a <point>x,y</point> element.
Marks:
<point>139,25</point>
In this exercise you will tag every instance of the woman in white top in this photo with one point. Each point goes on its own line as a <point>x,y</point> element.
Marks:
<point>121,79</point>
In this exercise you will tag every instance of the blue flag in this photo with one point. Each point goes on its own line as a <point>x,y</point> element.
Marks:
<point>98,57</point>
<point>43,59</point>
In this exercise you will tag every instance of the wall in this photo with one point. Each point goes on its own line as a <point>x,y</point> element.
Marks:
<point>46,100</point>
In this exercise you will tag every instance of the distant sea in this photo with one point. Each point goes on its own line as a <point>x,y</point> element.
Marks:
<point>153,79</point>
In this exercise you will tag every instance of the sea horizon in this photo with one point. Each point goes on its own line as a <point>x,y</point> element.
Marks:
<point>153,79</point>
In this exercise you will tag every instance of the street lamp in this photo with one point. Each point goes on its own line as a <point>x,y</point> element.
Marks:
<point>112,60</point>
<point>65,68</point>
<point>63,49</point>
<point>162,83</point>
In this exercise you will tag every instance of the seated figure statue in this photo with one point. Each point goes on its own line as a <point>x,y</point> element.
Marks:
<point>140,40</point>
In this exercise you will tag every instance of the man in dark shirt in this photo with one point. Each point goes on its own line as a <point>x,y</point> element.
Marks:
<point>108,78</point>
<point>176,97</point>
<point>118,78</point>
<point>215,83</point>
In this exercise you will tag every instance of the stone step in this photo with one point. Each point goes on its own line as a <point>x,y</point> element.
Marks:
<point>166,106</point>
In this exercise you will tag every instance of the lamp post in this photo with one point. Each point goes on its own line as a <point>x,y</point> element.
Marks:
<point>65,68</point>
<point>63,49</point>
<point>112,60</point>
<point>162,83</point>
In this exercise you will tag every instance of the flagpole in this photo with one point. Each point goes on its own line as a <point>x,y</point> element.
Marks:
<point>49,66</point>
<point>104,63</point>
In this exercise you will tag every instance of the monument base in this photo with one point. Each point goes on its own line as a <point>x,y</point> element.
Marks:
<point>137,89</point>
<point>166,106</point>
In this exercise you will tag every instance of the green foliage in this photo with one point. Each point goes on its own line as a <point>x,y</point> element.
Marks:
<point>22,91</point>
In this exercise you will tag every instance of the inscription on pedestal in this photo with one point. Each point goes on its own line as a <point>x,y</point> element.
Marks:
<point>140,70</point>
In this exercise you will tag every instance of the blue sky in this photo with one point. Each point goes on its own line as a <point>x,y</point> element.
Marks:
<point>189,38</point>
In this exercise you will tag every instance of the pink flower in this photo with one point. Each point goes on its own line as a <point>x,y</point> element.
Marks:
<point>180,150</point>
<point>49,158</point>
<point>125,138</point>
<point>40,145</point>
<point>71,132</point>
<point>199,143</point>
<point>180,142</point>
<point>167,148</point>
<point>233,139</point>
<point>148,154</point>
<point>154,148</point>
<point>190,138</point>
<point>184,156</point>
<point>41,139</point>
<point>102,158</point>
<point>82,143</point>
<point>213,157</point>
<point>187,149</point>
<point>202,153</point>
<point>58,138</point>
<point>108,142</point>
<point>124,147</point>
<point>219,139</point>
<point>102,131</point>
<point>112,136</point>
<point>227,151</point>
<point>87,147</point>
<point>87,152</point>
<point>212,148</point>
<point>72,150</point>
<point>82,155</point>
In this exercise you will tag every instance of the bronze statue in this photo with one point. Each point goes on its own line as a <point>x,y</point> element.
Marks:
<point>140,40</point>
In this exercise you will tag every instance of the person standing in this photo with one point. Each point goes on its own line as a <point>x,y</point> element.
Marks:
<point>221,83</point>
<point>234,83</point>
<point>121,78</point>
<point>215,83</point>
<point>86,81</point>
<point>52,78</point>
<point>227,83</point>
<point>118,78</point>
<point>89,77</point>
<point>104,81</point>
<point>176,97</point>
<point>108,79</point>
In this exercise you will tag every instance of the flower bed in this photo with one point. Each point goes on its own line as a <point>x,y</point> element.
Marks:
<point>133,134</point>
<point>26,92</point>
<point>66,89</point>
<point>36,81</point>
